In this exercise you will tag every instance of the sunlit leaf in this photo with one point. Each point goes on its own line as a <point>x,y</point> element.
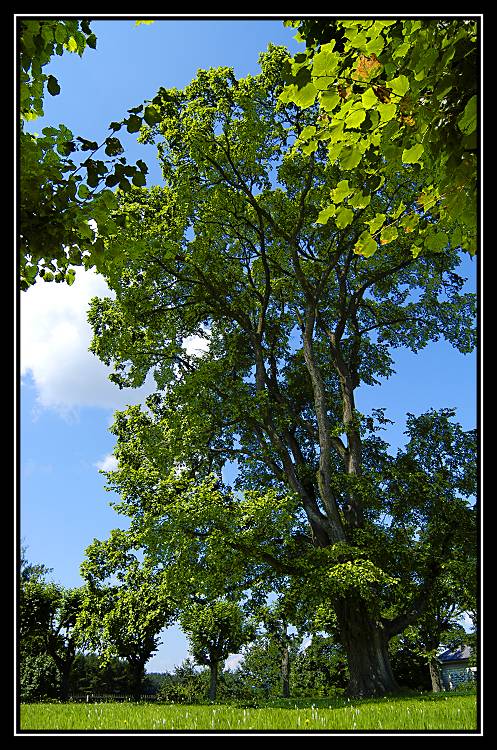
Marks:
<point>413,155</point>
<point>365,245</point>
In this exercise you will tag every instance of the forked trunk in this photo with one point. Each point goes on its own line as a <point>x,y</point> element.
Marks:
<point>366,646</point>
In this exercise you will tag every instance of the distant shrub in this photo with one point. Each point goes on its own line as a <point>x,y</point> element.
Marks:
<point>39,678</point>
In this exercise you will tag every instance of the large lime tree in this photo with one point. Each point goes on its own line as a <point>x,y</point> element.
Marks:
<point>294,313</point>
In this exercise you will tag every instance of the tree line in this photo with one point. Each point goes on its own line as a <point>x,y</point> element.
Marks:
<point>312,220</point>
<point>60,658</point>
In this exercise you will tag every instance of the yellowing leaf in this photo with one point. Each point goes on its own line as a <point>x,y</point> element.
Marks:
<point>388,234</point>
<point>367,67</point>
<point>72,44</point>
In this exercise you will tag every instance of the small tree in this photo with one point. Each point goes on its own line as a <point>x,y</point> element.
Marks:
<point>320,669</point>
<point>215,630</point>
<point>123,619</point>
<point>48,615</point>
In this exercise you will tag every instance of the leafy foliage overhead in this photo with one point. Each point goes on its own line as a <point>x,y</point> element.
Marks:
<point>65,182</point>
<point>402,89</point>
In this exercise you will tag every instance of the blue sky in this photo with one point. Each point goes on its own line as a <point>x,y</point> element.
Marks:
<point>66,401</point>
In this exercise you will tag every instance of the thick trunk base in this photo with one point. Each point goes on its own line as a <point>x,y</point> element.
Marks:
<point>436,678</point>
<point>364,641</point>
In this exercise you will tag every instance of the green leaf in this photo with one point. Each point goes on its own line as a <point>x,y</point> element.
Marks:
<point>329,100</point>
<point>359,200</point>
<point>365,245</point>
<point>467,121</point>
<point>412,155</point>
<point>113,146</point>
<point>109,199</point>
<point>139,179</point>
<point>307,132</point>
<point>60,33</point>
<point>395,214</point>
<point>53,86</point>
<point>325,214</point>
<point>387,111</point>
<point>124,185</point>
<point>326,61</point>
<point>350,157</point>
<point>83,191</point>
<point>133,124</point>
<point>305,96</point>
<point>344,217</point>
<point>355,118</point>
<point>437,241</point>
<point>70,276</point>
<point>341,191</point>
<point>376,223</point>
<point>152,115</point>
<point>369,98</point>
<point>399,85</point>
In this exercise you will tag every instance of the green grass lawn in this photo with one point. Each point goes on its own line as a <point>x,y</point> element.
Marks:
<point>426,711</point>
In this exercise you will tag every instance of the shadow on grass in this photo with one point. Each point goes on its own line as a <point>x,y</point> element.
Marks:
<point>403,696</point>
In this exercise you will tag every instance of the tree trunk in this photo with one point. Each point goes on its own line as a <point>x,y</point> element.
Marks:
<point>65,675</point>
<point>285,672</point>
<point>136,677</point>
<point>436,677</point>
<point>365,643</point>
<point>213,682</point>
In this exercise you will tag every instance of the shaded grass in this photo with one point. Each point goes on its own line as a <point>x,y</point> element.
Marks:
<point>435,712</point>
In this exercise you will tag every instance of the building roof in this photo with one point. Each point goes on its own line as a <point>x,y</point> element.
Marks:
<point>458,654</point>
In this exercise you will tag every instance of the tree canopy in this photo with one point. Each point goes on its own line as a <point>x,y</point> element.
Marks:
<point>295,316</point>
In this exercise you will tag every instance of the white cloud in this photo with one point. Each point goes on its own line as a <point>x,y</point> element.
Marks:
<point>55,336</point>
<point>107,463</point>
<point>233,661</point>
<point>197,345</point>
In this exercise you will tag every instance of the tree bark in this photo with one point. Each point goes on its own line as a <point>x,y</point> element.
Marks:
<point>65,675</point>
<point>365,643</point>
<point>285,671</point>
<point>136,676</point>
<point>213,681</point>
<point>436,677</point>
